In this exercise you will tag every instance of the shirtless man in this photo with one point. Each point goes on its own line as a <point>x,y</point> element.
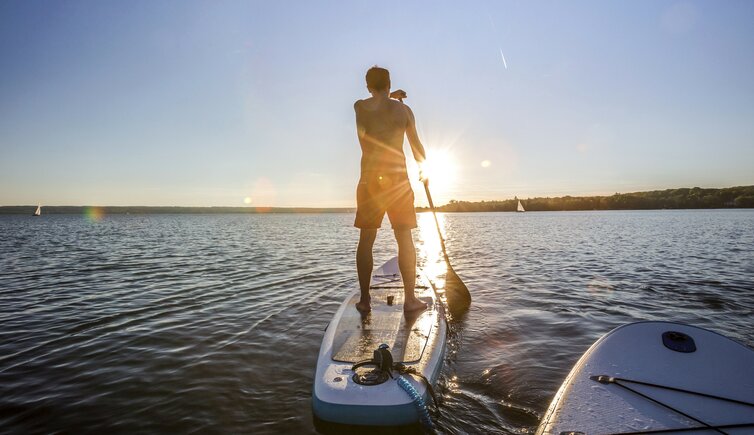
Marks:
<point>381,122</point>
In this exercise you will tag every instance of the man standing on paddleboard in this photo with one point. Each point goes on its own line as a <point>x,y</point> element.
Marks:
<point>381,122</point>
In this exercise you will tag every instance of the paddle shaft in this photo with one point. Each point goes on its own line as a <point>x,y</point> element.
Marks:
<point>457,293</point>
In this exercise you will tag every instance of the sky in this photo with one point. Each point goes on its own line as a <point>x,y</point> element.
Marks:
<point>225,103</point>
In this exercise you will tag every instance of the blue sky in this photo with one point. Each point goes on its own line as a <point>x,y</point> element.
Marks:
<point>213,103</point>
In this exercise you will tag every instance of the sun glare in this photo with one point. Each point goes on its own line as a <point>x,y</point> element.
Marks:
<point>441,169</point>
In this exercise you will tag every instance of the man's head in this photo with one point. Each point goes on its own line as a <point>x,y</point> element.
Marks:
<point>378,79</point>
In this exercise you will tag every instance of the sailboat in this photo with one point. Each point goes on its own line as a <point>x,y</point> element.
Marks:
<point>38,211</point>
<point>520,207</point>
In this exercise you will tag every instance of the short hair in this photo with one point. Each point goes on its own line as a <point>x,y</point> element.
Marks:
<point>378,78</point>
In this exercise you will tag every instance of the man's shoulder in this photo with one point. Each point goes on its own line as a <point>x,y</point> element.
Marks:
<point>403,109</point>
<point>360,103</point>
<point>395,103</point>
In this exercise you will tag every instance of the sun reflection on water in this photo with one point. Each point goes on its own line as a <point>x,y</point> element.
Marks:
<point>429,248</point>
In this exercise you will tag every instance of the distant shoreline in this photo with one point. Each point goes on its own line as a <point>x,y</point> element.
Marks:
<point>673,199</point>
<point>67,209</point>
<point>670,199</point>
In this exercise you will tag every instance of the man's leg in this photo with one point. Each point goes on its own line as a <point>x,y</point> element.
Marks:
<point>407,265</point>
<point>364,265</point>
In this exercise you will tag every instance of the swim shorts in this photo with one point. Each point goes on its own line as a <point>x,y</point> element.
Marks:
<point>380,194</point>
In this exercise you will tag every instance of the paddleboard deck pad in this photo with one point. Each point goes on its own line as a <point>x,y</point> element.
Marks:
<point>415,339</point>
<point>657,377</point>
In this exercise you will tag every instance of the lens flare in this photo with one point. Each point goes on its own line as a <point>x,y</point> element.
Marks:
<point>600,287</point>
<point>94,214</point>
<point>264,194</point>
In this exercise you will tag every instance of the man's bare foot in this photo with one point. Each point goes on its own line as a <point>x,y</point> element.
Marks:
<point>364,306</point>
<point>414,304</point>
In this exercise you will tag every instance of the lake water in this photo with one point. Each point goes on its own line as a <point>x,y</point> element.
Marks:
<point>212,323</point>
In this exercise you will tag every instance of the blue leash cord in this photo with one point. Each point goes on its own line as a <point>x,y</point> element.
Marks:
<point>421,406</point>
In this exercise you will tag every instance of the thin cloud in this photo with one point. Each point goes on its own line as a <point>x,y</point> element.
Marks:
<point>505,64</point>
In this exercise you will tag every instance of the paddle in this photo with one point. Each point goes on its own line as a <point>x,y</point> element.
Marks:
<point>456,292</point>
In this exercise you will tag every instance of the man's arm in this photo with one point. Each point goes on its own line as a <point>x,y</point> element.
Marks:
<point>360,130</point>
<point>413,137</point>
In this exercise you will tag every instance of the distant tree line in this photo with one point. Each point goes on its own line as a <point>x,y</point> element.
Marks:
<point>684,198</point>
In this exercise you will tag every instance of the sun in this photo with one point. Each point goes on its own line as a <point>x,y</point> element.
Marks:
<point>441,169</point>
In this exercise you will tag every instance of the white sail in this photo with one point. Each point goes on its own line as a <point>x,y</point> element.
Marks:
<point>520,207</point>
<point>38,211</point>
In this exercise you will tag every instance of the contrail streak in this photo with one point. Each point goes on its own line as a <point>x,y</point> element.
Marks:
<point>505,64</point>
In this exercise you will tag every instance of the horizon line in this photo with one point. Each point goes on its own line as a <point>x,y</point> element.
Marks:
<point>353,207</point>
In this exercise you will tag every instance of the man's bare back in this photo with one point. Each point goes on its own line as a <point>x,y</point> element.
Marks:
<point>381,123</point>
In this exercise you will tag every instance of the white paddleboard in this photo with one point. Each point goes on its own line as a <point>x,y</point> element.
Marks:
<point>657,376</point>
<point>417,340</point>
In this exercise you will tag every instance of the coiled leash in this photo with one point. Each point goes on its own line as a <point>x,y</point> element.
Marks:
<point>382,359</point>
<point>384,365</point>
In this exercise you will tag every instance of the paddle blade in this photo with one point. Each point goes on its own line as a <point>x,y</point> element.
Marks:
<point>456,293</point>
